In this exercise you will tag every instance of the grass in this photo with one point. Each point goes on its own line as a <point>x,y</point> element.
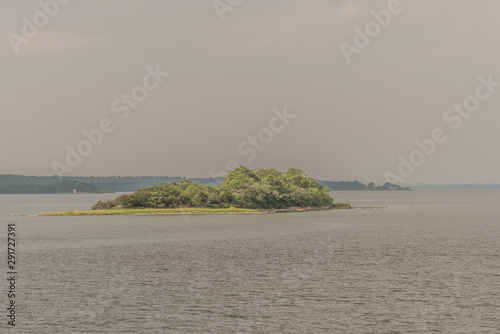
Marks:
<point>121,211</point>
<point>340,205</point>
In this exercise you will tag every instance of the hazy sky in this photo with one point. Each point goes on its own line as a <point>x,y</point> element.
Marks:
<point>346,121</point>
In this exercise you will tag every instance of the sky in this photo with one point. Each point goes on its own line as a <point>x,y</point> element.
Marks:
<point>343,90</point>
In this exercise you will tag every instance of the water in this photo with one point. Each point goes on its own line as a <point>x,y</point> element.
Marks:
<point>35,203</point>
<point>435,268</point>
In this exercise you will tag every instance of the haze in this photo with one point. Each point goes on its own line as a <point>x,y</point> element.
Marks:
<point>352,119</point>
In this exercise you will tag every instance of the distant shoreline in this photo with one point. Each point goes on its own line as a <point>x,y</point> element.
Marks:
<point>21,184</point>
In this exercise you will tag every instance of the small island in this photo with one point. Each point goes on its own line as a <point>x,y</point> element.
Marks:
<point>241,191</point>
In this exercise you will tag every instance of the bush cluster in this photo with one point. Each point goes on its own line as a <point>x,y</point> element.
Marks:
<point>241,188</point>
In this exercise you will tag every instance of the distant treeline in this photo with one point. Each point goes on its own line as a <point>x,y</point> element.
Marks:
<point>108,183</point>
<point>65,186</point>
<point>355,185</point>
<point>17,184</point>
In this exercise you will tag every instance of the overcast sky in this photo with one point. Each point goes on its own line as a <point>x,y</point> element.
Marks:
<point>346,120</point>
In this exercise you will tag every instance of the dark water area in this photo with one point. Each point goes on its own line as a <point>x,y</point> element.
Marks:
<point>431,269</point>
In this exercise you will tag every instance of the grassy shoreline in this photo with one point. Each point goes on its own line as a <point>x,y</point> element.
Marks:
<point>183,211</point>
<point>132,212</point>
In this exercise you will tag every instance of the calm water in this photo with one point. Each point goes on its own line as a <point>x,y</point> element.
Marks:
<point>435,268</point>
<point>33,204</point>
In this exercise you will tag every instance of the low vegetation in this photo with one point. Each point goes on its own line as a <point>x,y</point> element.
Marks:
<point>340,205</point>
<point>121,211</point>
<point>242,188</point>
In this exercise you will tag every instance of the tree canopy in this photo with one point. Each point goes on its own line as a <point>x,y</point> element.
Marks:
<point>241,188</point>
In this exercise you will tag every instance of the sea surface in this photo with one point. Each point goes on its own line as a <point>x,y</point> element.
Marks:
<point>428,263</point>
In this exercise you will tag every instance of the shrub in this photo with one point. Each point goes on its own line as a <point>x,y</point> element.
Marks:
<point>242,188</point>
<point>104,205</point>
